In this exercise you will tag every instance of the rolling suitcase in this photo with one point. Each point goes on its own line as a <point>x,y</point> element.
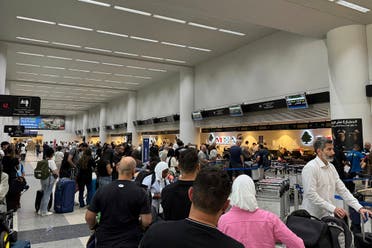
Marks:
<point>64,196</point>
<point>363,239</point>
<point>39,196</point>
<point>21,244</point>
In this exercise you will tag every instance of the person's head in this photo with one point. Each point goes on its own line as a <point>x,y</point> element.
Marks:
<point>126,167</point>
<point>171,152</point>
<point>210,190</point>
<point>243,193</point>
<point>323,147</point>
<point>356,147</point>
<point>153,162</point>
<point>4,145</point>
<point>367,146</point>
<point>179,143</point>
<point>238,142</point>
<point>261,146</point>
<point>10,150</point>
<point>163,155</point>
<point>83,147</point>
<point>188,161</point>
<point>49,152</point>
<point>161,170</point>
<point>136,155</point>
<point>59,148</point>
<point>203,148</point>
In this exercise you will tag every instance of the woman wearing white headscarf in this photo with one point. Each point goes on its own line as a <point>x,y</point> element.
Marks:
<point>250,225</point>
<point>156,183</point>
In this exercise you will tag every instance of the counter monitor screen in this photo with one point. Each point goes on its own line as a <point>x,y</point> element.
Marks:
<point>296,101</point>
<point>197,116</point>
<point>236,110</point>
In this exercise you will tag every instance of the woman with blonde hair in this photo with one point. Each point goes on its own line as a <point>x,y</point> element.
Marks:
<point>250,225</point>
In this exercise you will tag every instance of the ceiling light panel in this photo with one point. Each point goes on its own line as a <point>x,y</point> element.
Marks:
<point>352,6</point>
<point>201,26</point>
<point>31,54</point>
<point>101,72</point>
<point>176,61</point>
<point>134,11</point>
<point>230,32</point>
<point>74,27</point>
<point>98,49</point>
<point>143,39</point>
<point>169,19</point>
<point>27,73</point>
<point>124,53</point>
<point>31,39</point>
<point>96,3</point>
<point>200,49</point>
<point>87,61</point>
<point>157,70</point>
<point>54,67</point>
<point>31,65</point>
<point>78,70</point>
<point>172,44</point>
<point>57,57</point>
<point>112,33</point>
<point>136,67</point>
<point>112,64</point>
<point>66,44</point>
<point>152,57</point>
<point>35,20</point>
<point>123,75</point>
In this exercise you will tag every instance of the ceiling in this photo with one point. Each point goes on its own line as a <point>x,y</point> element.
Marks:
<point>83,54</point>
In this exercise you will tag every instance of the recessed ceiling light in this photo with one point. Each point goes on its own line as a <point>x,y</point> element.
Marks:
<point>47,81</point>
<point>230,32</point>
<point>57,57</point>
<point>69,77</point>
<point>78,70</point>
<point>87,61</point>
<point>142,77</point>
<point>111,81</point>
<point>112,64</point>
<point>24,79</point>
<point>169,19</point>
<point>49,75</point>
<point>28,64</point>
<point>136,67</point>
<point>132,10</point>
<point>352,6</point>
<point>32,54</point>
<point>129,54</point>
<point>54,67</point>
<point>157,70</point>
<point>35,20</point>
<point>176,61</point>
<point>93,79</point>
<point>74,27</point>
<point>66,44</point>
<point>172,44</point>
<point>201,26</point>
<point>98,49</point>
<point>123,75</point>
<point>30,39</point>
<point>151,57</point>
<point>27,73</point>
<point>112,33</point>
<point>96,3</point>
<point>101,72</point>
<point>199,49</point>
<point>143,39</point>
<point>24,90</point>
<point>131,83</point>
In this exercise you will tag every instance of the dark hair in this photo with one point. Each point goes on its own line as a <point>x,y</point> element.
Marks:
<point>59,148</point>
<point>211,188</point>
<point>188,160</point>
<point>48,152</point>
<point>136,155</point>
<point>171,152</point>
<point>320,143</point>
<point>84,160</point>
<point>179,142</point>
<point>83,145</point>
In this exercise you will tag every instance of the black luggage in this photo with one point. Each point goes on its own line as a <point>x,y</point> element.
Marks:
<point>363,239</point>
<point>39,196</point>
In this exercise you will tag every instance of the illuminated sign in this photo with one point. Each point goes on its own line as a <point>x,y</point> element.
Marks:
<point>221,140</point>
<point>307,138</point>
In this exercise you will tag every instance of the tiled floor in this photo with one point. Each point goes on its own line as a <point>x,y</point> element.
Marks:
<point>57,230</point>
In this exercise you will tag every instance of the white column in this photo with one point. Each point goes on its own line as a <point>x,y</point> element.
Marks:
<point>102,124</point>
<point>85,124</point>
<point>348,65</point>
<point>188,132</point>
<point>132,115</point>
<point>3,120</point>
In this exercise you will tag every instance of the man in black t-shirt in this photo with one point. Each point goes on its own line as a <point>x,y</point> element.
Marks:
<point>124,208</point>
<point>209,200</point>
<point>174,197</point>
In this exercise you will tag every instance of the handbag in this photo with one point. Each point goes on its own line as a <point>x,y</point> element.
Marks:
<point>17,185</point>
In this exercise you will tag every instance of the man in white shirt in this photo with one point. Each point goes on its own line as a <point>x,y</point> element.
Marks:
<point>321,182</point>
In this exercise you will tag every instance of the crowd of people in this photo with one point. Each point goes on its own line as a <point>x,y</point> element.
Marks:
<point>177,199</point>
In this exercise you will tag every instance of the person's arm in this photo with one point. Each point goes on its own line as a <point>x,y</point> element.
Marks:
<point>346,195</point>
<point>69,160</point>
<point>286,236</point>
<point>90,218</point>
<point>146,220</point>
<point>109,169</point>
<point>310,185</point>
<point>53,167</point>
<point>145,213</point>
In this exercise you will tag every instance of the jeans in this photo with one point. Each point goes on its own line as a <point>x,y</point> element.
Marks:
<point>102,181</point>
<point>47,187</point>
<point>81,193</point>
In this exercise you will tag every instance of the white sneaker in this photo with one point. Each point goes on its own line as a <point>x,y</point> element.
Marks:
<point>47,214</point>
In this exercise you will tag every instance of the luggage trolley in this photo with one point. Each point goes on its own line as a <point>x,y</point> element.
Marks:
<point>270,192</point>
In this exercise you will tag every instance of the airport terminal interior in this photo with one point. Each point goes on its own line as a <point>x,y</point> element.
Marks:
<point>154,76</point>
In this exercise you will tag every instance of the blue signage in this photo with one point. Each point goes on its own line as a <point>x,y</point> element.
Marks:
<point>30,122</point>
<point>145,150</point>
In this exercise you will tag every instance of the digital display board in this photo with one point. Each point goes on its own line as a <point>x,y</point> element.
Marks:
<point>43,122</point>
<point>296,101</point>
<point>236,110</point>
<point>197,116</point>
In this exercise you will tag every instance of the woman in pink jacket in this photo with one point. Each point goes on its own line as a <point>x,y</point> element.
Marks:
<point>254,227</point>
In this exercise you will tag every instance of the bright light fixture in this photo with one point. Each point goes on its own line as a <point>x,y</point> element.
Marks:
<point>98,49</point>
<point>27,73</point>
<point>157,70</point>
<point>131,83</point>
<point>49,75</point>
<point>111,81</point>
<point>78,70</point>
<point>93,79</point>
<point>143,39</point>
<point>136,67</point>
<point>199,49</point>
<point>57,57</point>
<point>54,67</point>
<point>132,10</point>
<point>32,65</point>
<point>142,77</point>
<point>35,20</point>
<point>230,32</point>
<point>123,75</point>
<point>74,27</point>
<point>201,26</point>
<point>101,72</point>
<point>352,6</point>
<point>96,3</point>
<point>172,44</point>
<point>32,54</point>
<point>176,61</point>
<point>30,39</point>
<point>151,57</point>
<point>169,19</point>
<point>66,44</point>
<point>112,33</point>
<point>112,64</point>
<point>129,54</point>
<point>87,61</point>
<point>69,77</point>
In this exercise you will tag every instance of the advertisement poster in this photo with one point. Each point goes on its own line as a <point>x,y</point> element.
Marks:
<point>347,132</point>
<point>43,122</point>
<point>145,150</point>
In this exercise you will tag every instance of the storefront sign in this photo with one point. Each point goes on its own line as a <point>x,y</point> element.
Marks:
<point>307,138</point>
<point>221,140</point>
<point>347,132</point>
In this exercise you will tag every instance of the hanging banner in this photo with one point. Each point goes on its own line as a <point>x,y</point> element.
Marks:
<point>347,132</point>
<point>145,150</point>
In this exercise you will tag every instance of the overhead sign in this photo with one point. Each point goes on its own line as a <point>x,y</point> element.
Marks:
<point>14,130</point>
<point>19,105</point>
<point>222,140</point>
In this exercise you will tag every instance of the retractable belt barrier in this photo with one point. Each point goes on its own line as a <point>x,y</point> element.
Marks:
<point>246,168</point>
<point>363,203</point>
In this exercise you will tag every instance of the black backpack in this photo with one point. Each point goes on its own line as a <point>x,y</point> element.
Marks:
<point>339,232</point>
